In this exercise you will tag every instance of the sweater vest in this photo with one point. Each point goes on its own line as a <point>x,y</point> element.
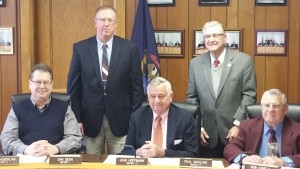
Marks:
<point>35,125</point>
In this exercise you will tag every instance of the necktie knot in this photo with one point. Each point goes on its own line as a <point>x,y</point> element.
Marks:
<point>216,63</point>
<point>272,138</point>
<point>104,46</point>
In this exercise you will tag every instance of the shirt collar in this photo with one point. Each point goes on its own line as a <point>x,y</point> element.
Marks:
<point>46,103</point>
<point>221,57</point>
<point>277,128</point>
<point>109,43</point>
<point>163,115</point>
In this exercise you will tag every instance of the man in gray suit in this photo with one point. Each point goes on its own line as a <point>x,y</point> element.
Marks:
<point>222,81</point>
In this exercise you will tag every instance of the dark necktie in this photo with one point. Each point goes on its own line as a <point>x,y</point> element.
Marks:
<point>104,65</point>
<point>158,132</point>
<point>216,63</point>
<point>272,138</point>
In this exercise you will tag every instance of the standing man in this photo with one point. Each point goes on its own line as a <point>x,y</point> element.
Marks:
<point>222,81</point>
<point>105,84</point>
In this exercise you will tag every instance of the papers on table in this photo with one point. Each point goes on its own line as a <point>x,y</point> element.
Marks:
<point>111,159</point>
<point>32,159</point>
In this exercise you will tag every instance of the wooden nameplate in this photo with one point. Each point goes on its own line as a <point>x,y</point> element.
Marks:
<point>9,160</point>
<point>195,162</point>
<point>65,159</point>
<point>131,161</point>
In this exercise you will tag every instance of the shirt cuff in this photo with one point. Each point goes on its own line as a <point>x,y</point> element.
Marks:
<point>236,122</point>
<point>288,162</point>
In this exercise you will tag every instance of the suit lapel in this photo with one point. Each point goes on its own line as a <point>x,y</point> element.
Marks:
<point>171,128</point>
<point>206,66</point>
<point>227,65</point>
<point>95,59</point>
<point>115,53</point>
<point>287,133</point>
<point>147,125</point>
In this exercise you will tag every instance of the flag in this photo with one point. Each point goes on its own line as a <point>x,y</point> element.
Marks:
<point>143,35</point>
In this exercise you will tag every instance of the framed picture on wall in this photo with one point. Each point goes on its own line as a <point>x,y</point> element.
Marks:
<point>271,42</point>
<point>2,3</point>
<point>161,2</point>
<point>169,42</point>
<point>6,40</point>
<point>214,2</point>
<point>270,2</point>
<point>234,40</point>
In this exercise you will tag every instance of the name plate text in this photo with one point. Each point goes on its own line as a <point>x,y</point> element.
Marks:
<point>195,162</point>
<point>57,159</point>
<point>9,160</point>
<point>132,161</point>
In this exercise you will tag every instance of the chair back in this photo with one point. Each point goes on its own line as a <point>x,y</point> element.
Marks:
<point>254,111</point>
<point>20,97</point>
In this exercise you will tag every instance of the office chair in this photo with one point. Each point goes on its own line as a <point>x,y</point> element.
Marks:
<point>61,96</point>
<point>194,109</point>
<point>254,111</point>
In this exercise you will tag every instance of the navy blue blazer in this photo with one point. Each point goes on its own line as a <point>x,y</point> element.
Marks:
<point>124,88</point>
<point>180,126</point>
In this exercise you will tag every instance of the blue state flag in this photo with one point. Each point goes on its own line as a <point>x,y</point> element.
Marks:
<point>143,35</point>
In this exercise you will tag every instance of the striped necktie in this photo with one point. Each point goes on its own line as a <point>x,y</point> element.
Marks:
<point>104,65</point>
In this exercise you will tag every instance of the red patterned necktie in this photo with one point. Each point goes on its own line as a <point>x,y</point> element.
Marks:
<point>272,138</point>
<point>216,63</point>
<point>158,132</point>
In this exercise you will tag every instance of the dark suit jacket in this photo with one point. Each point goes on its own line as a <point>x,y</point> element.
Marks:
<point>237,88</point>
<point>124,87</point>
<point>250,136</point>
<point>180,126</point>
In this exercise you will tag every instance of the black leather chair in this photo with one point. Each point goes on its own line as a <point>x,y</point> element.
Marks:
<point>254,111</point>
<point>189,107</point>
<point>20,97</point>
<point>61,96</point>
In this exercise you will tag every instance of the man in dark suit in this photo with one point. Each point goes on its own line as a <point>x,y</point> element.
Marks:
<point>179,137</point>
<point>254,134</point>
<point>105,92</point>
<point>222,81</point>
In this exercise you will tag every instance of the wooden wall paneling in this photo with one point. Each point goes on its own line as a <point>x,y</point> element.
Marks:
<point>219,13</point>
<point>178,67</point>
<point>43,33</point>
<point>260,61</point>
<point>232,14</point>
<point>8,63</point>
<point>72,21</point>
<point>294,52</point>
<point>277,66</point>
<point>131,7</point>
<point>120,6</point>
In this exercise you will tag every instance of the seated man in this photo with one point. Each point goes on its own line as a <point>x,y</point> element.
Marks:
<point>161,129</point>
<point>41,125</point>
<point>256,136</point>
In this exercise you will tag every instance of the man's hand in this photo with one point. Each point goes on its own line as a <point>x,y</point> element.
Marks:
<point>204,137</point>
<point>41,148</point>
<point>233,133</point>
<point>81,128</point>
<point>273,161</point>
<point>149,149</point>
<point>252,159</point>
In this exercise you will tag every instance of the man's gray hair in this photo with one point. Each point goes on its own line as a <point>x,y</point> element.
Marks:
<point>159,80</point>
<point>274,92</point>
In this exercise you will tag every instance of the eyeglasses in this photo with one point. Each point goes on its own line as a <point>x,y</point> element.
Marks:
<point>103,20</point>
<point>214,36</point>
<point>39,83</point>
<point>160,97</point>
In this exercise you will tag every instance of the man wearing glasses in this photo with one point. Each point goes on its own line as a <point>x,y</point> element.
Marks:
<point>222,81</point>
<point>41,125</point>
<point>105,84</point>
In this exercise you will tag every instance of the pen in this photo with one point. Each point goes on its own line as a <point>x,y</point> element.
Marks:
<point>46,159</point>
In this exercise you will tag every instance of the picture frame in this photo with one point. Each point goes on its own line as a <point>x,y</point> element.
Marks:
<point>6,40</point>
<point>234,40</point>
<point>161,2</point>
<point>2,3</point>
<point>270,2</point>
<point>169,42</point>
<point>270,42</point>
<point>214,2</point>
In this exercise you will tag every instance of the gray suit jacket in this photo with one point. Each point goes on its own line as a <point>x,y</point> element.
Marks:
<point>237,88</point>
